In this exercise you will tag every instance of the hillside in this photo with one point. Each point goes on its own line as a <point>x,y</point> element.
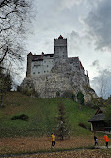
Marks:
<point>41,113</point>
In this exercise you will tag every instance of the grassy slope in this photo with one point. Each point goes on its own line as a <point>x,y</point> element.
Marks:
<point>42,113</point>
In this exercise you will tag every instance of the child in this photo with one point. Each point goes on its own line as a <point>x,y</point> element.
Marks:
<point>53,140</point>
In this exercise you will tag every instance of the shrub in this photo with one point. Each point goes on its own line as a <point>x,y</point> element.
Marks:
<point>57,94</point>
<point>82,125</point>
<point>80,97</point>
<point>20,117</point>
<point>73,97</point>
<point>95,103</point>
<point>36,94</point>
<point>19,89</point>
<point>27,91</point>
<point>68,94</point>
<point>30,92</point>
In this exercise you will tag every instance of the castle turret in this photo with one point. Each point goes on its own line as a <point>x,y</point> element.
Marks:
<point>29,61</point>
<point>60,48</point>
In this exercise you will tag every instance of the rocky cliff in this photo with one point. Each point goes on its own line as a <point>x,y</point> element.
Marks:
<point>64,77</point>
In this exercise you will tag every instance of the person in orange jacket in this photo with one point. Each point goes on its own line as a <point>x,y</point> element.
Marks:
<point>106,140</point>
<point>53,140</point>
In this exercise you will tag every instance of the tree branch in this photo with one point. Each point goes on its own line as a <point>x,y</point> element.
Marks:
<point>5,3</point>
<point>5,29</point>
<point>14,11</point>
<point>1,60</point>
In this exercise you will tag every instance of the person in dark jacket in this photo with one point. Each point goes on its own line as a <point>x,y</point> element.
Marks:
<point>96,140</point>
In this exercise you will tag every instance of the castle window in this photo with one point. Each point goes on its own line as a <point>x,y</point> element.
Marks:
<point>33,72</point>
<point>44,71</point>
<point>38,72</point>
<point>47,66</point>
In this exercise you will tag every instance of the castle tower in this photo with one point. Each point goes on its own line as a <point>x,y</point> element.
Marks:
<point>29,61</point>
<point>60,49</point>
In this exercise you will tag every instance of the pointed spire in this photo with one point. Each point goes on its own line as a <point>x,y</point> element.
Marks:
<point>60,37</point>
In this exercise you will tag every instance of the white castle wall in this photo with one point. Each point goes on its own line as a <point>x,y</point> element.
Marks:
<point>41,67</point>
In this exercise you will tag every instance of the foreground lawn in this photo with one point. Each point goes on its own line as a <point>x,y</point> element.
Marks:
<point>42,146</point>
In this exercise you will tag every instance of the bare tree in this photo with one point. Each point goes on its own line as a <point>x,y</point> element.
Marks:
<point>13,18</point>
<point>102,83</point>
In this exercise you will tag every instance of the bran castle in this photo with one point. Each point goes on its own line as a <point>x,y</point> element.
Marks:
<point>51,73</point>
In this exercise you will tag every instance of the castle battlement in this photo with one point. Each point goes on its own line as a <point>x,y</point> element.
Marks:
<point>60,41</point>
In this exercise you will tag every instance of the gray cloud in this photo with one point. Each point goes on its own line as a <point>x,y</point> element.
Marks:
<point>95,63</point>
<point>98,24</point>
<point>74,35</point>
<point>74,41</point>
<point>102,83</point>
<point>66,4</point>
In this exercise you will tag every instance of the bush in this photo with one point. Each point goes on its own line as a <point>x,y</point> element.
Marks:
<point>68,94</point>
<point>57,94</point>
<point>82,125</point>
<point>73,97</point>
<point>35,94</point>
<point>19,89</point>
<point>95,103</point>
<point>27,91</point>
<point>20,117</point>
<point>30,92</point>
<point>80,97</point>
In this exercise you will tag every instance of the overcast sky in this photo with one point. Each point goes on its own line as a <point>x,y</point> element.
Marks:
<point>87,26</point>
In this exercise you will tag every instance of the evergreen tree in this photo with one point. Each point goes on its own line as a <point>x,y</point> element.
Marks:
<point>5,86</point>
<point>62,129</point>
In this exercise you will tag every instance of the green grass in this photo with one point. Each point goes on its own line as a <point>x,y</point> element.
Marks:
<point>42,113</point>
